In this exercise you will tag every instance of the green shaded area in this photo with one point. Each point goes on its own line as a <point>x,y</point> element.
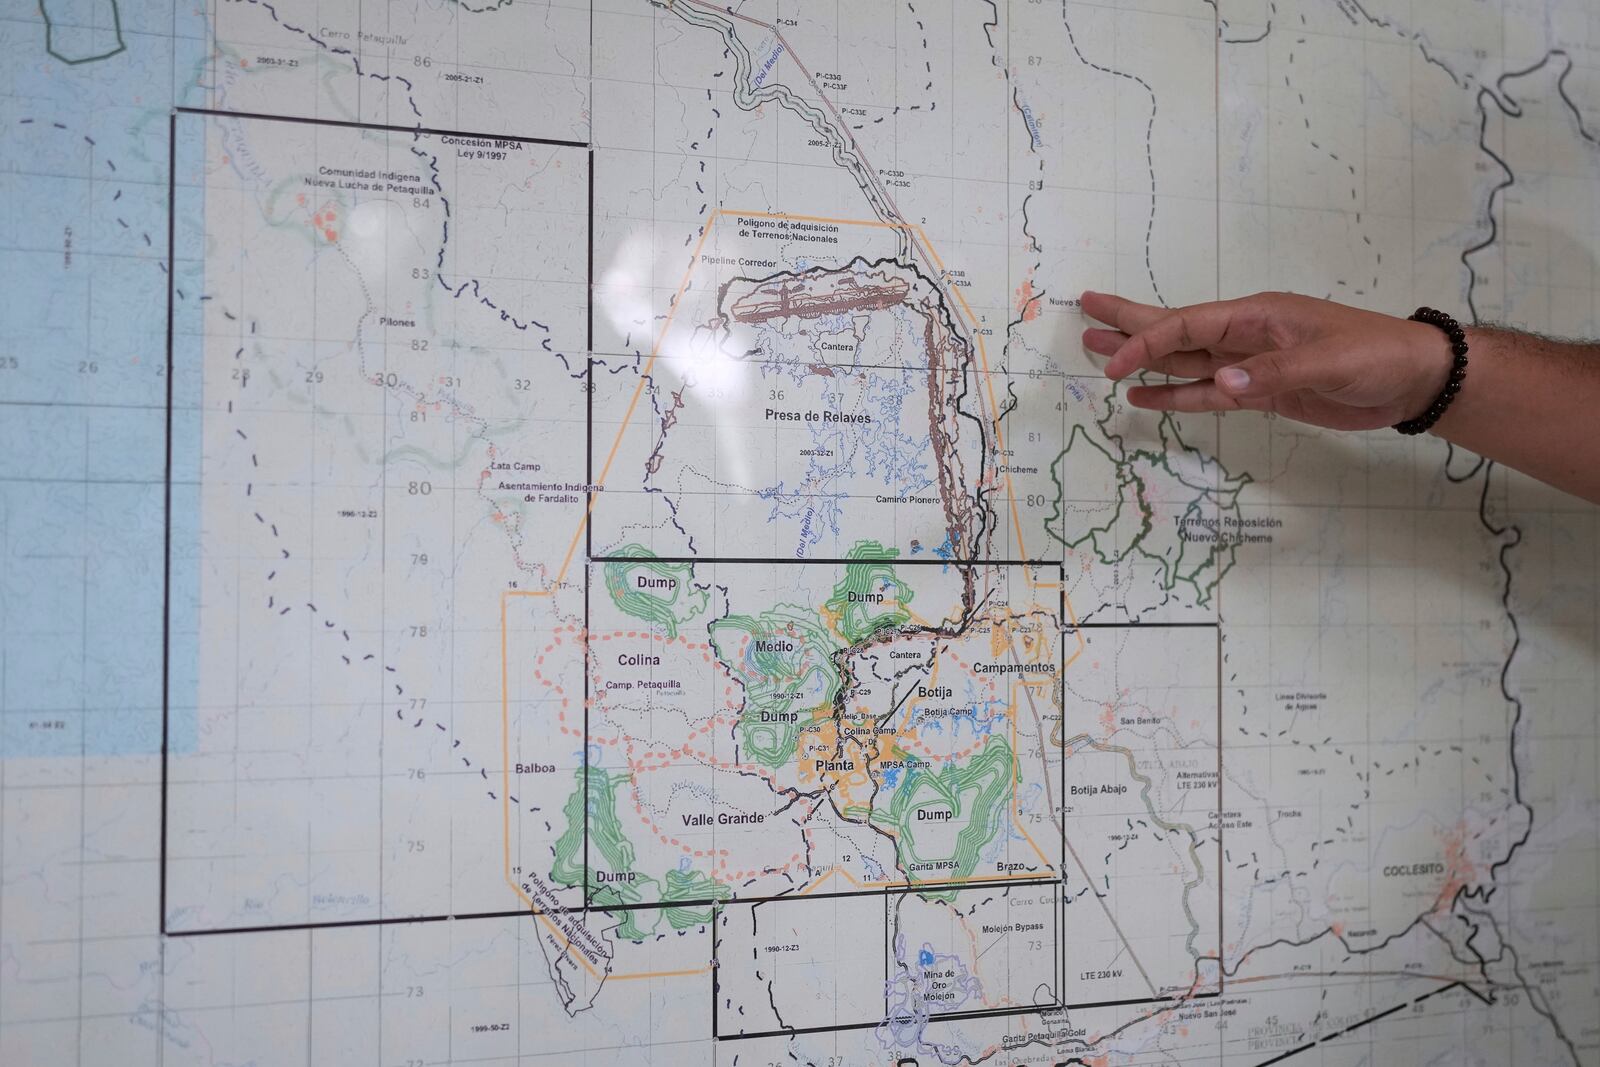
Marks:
<point>779,656</point>
<point>786,658</point>
<point>50,36</point>
<point>974,793</point>
<point>607,842</point>
<point>691,885</point>
<point>658,593</point>
<point>1201,550</point>
<point>613,854</point>
<point>870,597</point>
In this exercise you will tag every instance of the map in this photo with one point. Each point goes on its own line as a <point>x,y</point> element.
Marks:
<point>551,531</point>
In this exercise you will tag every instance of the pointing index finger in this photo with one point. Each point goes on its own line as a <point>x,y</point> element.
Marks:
<point>1126,315</point>
<point>1198,326</point>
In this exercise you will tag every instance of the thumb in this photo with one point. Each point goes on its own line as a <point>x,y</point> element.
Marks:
<point>1270,373</point>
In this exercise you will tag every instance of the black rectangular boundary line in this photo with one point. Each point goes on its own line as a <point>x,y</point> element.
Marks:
<point>956,1016</point>
<point>888,946</point>
<point>882,891</point>
<point>1222,965</point>
<point>1057,958</point>
<point>588,465</point>
<point>992,1013</point>
<point>166,522</point>
<point>654,905</point>
<point>340,924</point>
<point>1217,626</point>
<point>714,902</point>
<point>1061,732</point>
<point>589,302</point>
<point>843,894</point>
<point>377,127</point>
<point>888,952</point>
<point>1055,1002</point>
<point>1183,625</point>
<point>588,534</point>
<point>716,970</point>
<point>166,576</point>
<point>1059,906</point>
<point>920,887</point>
<point>840,561</point>
<point>1061,815</point>
<point>585,666</point>
<point>716,985</point>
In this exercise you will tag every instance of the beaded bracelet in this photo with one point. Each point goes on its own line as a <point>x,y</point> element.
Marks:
<point>1458,371</point>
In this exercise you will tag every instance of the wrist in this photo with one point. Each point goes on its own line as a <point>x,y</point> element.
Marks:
<point>1456,336</point>
<point>1429,359</point>
<point>1481,343</point>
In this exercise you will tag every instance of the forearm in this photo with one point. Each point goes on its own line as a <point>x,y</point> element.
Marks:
<point>1531,404</point>
<point>1526,401</point>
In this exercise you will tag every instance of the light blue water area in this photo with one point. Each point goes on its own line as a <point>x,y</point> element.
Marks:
<point>83,221</point>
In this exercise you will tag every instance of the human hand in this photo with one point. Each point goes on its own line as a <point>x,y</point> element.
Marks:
<point>1307,359</point>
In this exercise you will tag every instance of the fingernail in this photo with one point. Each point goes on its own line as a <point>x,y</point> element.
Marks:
<point>1233,379</point>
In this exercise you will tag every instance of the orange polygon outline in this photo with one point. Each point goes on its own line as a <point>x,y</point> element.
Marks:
<point>917,234</point>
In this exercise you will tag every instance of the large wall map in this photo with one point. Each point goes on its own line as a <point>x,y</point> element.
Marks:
<point>544,531</point>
